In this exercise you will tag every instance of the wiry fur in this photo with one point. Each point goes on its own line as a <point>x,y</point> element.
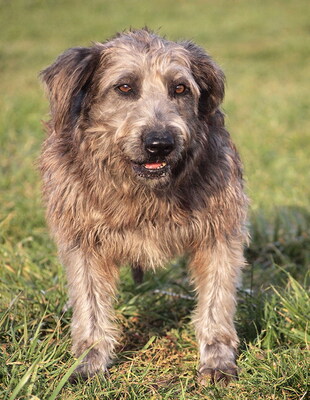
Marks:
<point>103,213</point>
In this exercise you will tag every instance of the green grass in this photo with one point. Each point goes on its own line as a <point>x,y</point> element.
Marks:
<point>263,48</point>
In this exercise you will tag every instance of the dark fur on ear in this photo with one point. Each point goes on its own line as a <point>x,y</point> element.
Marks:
<point>67,82</point>
<point>209,77</point>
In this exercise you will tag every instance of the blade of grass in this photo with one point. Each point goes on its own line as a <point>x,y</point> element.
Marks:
<point>23,381</point>
<point>65,378</point>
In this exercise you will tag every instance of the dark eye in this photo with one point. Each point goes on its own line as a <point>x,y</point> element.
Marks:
<point>180,89</point>
<point>125,88</point>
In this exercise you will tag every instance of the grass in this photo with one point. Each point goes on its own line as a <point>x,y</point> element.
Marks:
<point>263,49</point>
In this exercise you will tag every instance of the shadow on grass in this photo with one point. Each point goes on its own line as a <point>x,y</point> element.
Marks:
<point>158,307</point>
<point>279,239</point>
<point>279,248</point>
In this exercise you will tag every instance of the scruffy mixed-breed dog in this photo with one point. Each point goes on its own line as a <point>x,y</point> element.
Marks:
<point>138,168</point>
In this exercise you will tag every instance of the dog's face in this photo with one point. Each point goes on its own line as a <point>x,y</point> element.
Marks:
<point>135,102</point>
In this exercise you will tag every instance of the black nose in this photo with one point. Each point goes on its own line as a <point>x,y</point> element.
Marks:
<point>159,144</point>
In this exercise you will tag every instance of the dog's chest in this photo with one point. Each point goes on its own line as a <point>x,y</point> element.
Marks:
<point>149,233</point>
<point>154,243</point>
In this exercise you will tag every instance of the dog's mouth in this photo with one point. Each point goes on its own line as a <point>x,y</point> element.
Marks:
<point>151,170</point>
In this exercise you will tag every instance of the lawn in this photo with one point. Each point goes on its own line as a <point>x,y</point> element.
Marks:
<point>264,49</point>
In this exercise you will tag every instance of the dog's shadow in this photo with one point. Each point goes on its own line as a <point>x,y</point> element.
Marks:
<point>162,303</point>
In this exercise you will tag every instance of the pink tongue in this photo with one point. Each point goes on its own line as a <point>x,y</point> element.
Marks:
<point>153,165</point>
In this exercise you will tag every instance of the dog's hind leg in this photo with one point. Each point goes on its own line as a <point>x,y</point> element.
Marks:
<point>91,293</point>
<point>137,273</point>
<point>215,272</point>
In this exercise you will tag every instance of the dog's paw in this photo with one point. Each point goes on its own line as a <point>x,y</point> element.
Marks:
<point>95,362</point>
<point>221,376</point>
<point>81,374</point>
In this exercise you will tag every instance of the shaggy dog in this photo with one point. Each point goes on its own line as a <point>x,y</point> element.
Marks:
<point>138,168</point>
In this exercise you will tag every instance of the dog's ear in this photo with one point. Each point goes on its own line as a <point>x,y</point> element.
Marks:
<point>67,82</point>
<point>210,78</point>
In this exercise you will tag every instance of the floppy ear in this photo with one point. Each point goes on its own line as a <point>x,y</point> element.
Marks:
<point>67,82</point>
<point>210,78</point>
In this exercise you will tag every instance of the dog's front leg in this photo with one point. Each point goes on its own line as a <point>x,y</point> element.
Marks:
<point>215,272</point>
<point>91,284</point>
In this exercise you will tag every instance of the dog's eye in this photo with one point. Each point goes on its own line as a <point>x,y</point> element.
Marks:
<point>124,88</point>
<point>180,89</point>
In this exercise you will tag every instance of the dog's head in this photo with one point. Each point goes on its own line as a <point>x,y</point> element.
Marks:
<point>138,103</point>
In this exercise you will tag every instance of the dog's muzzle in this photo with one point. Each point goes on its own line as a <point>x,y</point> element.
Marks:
<point>157,146</point>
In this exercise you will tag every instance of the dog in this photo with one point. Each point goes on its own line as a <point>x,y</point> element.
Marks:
<point>138,168</point>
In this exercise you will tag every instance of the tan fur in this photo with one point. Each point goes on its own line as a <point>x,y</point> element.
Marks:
<point>105,204</point>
